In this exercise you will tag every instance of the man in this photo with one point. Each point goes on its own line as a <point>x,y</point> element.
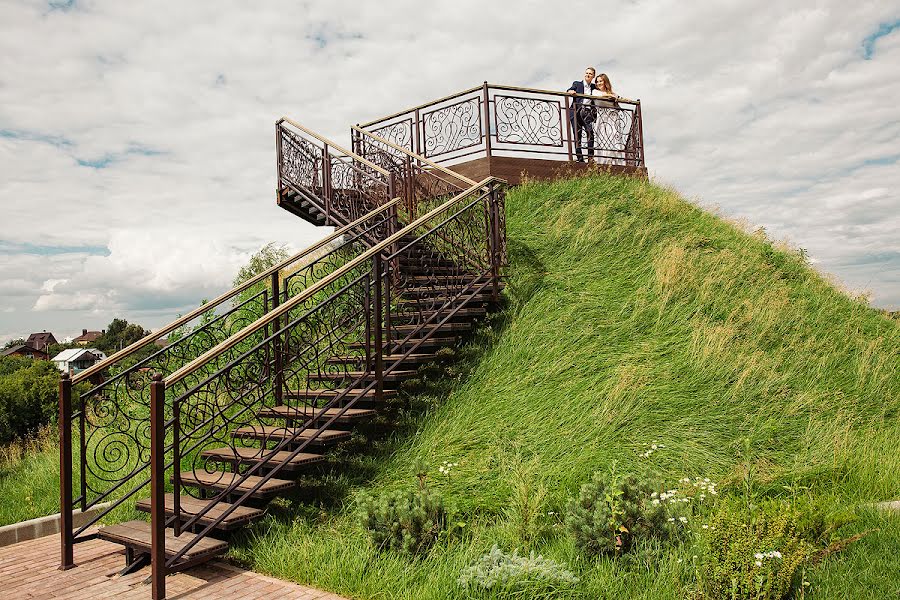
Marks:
<point>582,113</point>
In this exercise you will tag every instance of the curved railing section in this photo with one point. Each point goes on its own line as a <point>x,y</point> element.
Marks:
<point>105,432</point>
<point>338,341</point>
<point>507,121</point>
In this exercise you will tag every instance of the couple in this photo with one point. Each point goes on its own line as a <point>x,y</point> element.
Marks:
<point>583,111</point>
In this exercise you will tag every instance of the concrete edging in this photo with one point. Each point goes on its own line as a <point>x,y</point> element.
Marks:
<point>44,526</point>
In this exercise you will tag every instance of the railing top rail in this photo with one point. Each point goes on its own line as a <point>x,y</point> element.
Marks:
<point>420,106</point>
<point>317,286</point>
<point>147,340</point>
<point>492,86</point>
<point>331,144</point>
<point>412,154</point>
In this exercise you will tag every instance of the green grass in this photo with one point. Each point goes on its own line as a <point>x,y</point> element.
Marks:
<point>633,317</point>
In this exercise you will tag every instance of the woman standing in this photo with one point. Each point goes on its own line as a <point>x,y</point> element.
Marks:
<point>611,124</point>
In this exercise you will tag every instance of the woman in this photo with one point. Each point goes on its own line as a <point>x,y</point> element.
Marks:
<point>611,127</point>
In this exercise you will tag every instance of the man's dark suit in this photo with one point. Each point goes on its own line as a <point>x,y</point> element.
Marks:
<point>582,118</point>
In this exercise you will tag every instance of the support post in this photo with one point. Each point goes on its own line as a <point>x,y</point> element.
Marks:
<point>66,538</point>
<point>278,379</point>
<point>487,124</point>
<point>417,144</point>
<point>495,245</point>
<point>377,317</point>
<point>158,488</point>
<point>278,158</point>
<point>640,124</point>
<point>569,126</point>
<point>326,182</point>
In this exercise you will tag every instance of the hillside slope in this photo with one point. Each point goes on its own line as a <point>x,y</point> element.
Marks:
<point>633,318</point>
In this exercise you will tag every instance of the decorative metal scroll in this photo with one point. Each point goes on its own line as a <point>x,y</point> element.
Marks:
<point>452,127</point>
<point>400,133</point>
<point>301,162</point>
<point>528,121</point>
<point>613,135</point>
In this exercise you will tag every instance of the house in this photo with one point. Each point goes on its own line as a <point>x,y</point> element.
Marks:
<point>41,341</point>
<point>75,360</point>
<point>25,350</point>
<point>88,337</point>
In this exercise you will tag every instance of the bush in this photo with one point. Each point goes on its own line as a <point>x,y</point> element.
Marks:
<point>29,391</point>
<point>754,553</point>
<point>500,572</point>
<point>611,512</point>
<point>407,522</point>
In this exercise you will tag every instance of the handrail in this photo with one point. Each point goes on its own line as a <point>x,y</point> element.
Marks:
<point>492,86</point>
<point>412,154</point>
<point>147,340</point>
<point>316,287</point>
<point>331,144</point>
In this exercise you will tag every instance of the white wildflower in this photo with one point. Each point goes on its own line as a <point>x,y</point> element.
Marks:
<point>758,563</point>
<point>682,519</point>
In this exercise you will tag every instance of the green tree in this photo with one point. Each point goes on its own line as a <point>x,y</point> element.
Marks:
<point>28,396</point>
<point>12,343</point>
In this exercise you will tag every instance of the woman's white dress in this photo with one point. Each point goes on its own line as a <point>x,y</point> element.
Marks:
<point>611,129</point>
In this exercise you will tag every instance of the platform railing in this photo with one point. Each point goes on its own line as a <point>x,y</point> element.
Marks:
<point>494,120</point>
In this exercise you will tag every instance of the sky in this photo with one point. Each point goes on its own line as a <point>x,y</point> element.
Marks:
<point>137,167</point>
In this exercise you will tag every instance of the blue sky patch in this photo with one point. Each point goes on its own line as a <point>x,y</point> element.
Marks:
<point>33,136</point>
<point>50,250</point>
<point>61,5</point>
<point>107,160</point>
<point>884,29</point>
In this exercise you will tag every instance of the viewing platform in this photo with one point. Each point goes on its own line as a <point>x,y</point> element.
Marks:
<point>505,131</point>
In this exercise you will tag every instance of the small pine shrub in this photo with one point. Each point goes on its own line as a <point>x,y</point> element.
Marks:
<point>611,512</point>
<point>756,554</point>
<point>408,521</point>
<point>532,576</point>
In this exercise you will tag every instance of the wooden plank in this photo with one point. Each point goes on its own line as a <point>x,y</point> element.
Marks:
<point>191,506</point>
<point>275,434</point>
<point>304,413</point>
<point>136,534</point>
<point>254,455</point>
<point>314,393</point>
<point>219,480</point>
<point>397,375</point>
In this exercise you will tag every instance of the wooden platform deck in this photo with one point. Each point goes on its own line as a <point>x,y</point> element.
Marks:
<point>511,168</point>
<point>30,570</point>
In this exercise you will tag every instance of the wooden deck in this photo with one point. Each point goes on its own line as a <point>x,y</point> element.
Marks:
<point>511,168</point>
<point>30,570</point>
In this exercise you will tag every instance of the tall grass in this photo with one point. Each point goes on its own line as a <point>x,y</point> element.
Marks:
<point>632,317</point>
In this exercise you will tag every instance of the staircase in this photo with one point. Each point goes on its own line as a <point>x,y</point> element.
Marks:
<point>242,401</point>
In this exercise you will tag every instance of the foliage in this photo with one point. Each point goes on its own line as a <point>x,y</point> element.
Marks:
<point>501,572</point>
<point>119,334</point>
<point>755,555</point>
<point>266,257</point>
<point>28,396</point>
<point>612,511</point>
<point>404,521</point>
<point>12,343</point>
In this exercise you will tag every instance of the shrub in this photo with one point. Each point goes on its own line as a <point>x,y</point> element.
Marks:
<point>29,391</point>
<point>500,572</point>
<point>751,554</point>
<point>408,521</point>
<point>612,511</point>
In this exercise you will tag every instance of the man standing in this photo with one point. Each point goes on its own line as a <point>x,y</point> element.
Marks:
<point>582,113</point>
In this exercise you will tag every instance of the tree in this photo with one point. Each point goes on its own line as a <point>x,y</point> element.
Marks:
<point>119,334</point>
<point>268,256</point>
<point>28,396</point>
<point>12,343</point>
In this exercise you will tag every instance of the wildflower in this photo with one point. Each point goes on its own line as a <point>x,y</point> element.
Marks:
<point>682,519</point>
<point>655,502</point>
<point>758,563</point>
<point>706,527</point>
<point>671,519</point>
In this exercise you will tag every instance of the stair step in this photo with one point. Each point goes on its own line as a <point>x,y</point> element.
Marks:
<point>446,277</point>
<point>437,292</point>
<point>136,535</point>
<point>398,375</point>
<point>219,480</point>
<point>469,312</point>
<point>404,330</point>
<point>276,434</point>
<point>245,455</point>
<point>324,395</point>
<point>425,269</point>
<point>429,343</point>
<point>305,413</point>
<point>412,359</point>
<point>190,506</point>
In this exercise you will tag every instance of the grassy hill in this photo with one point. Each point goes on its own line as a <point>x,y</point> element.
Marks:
<point>633,318</point>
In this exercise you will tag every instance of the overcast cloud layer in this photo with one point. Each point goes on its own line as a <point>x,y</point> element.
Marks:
<point>137,139</point>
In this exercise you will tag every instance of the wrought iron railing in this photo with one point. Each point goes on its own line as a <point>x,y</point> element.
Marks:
<point>500,120</point>
<point>347,312</point>
<point>104,433</point>
<point>339,183</point>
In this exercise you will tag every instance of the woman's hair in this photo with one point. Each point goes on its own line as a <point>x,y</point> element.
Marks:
<point>603,77</point>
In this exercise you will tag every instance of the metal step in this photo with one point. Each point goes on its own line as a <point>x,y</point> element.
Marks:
<point>249,455</point>
<point>135,536</point>
<point>269,433</point>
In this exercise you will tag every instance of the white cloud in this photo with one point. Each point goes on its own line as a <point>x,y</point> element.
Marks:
<point>774,115</point>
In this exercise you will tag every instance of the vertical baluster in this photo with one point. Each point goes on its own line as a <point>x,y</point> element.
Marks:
<point>568,127</point>
<point>368,324</point>
<point>487,124</point>
<point>158,487</point>
<point>82,452</point>
<point>417,143</point>
<point>278,158</point>
<point>495,244</point>
<point>377,320</point>
<point>278,379</point>
<point>640,123</point>
<point>65,473</point>
<point>176,464</point>
<point>326,181</point>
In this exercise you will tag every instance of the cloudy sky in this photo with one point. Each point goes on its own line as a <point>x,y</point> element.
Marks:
<point>137,138</point>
